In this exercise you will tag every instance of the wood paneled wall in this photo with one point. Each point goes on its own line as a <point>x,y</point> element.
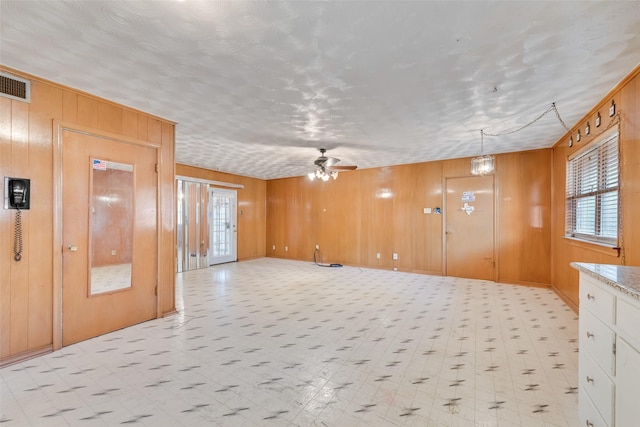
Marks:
<point>364,212</point>
<point>523,216</point>
<point>380,210</point>
<point>626,96</point>
<point>26,150</point>
<point>251,208</point>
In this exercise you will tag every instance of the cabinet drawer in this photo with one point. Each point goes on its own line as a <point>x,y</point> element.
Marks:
<point>589,415</point>
<point>597,340</point>
<point>628,321</point>
<point>597,385</point>
<point>597,300</point>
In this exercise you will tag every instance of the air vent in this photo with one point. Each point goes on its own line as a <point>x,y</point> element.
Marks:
<point>15,88</point>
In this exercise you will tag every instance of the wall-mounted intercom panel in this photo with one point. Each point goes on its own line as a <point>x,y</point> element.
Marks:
<point>17,193</point>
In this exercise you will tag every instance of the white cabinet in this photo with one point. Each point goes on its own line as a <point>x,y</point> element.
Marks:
<point>627,384</point>
<point>609,359</point>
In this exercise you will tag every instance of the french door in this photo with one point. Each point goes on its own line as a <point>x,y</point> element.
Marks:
<point>221,217</point>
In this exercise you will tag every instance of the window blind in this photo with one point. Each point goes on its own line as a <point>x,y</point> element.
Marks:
<point>592,192</point>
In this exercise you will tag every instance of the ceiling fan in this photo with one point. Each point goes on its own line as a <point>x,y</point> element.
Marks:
<point>326,167</point>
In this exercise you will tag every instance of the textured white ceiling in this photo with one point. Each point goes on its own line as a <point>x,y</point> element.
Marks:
<point>257,87</point>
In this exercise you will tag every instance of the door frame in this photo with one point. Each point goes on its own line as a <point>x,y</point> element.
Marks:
<point>234,217</point>
<point>496,214</point>
<point>58,128</point>
<point>209,182</point>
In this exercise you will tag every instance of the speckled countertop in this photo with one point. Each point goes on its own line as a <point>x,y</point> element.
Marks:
<point>624,278</point>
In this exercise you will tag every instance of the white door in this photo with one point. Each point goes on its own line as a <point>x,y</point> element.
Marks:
<point>221,217</point>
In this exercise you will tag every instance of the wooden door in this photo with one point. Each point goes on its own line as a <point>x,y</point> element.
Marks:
<point>109,216</point>
<point>469,227</point>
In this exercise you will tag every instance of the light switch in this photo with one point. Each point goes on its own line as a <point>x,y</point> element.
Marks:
<point>427,210</point>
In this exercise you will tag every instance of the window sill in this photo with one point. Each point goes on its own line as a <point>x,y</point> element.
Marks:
<point>593,246</point>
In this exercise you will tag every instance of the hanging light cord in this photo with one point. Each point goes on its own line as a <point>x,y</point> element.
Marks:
<point>560,118</point>
<point>615,118</point>
<point>551,108</point>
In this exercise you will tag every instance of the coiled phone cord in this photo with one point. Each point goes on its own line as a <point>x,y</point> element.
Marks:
<point>17,243</point>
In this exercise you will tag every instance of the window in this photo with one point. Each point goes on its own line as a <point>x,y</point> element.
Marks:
<point>592,192</point>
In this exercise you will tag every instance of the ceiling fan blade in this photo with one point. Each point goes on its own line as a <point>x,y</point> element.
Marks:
<point>330,161</point>
<point>343,168</point>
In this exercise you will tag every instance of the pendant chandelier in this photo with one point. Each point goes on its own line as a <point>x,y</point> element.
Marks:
<point>484,163</point>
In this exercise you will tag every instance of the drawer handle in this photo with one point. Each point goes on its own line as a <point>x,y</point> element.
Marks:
<point>589,423</point>
<point>589,296</point>
<point>589,379</point>
<point>589,334</point>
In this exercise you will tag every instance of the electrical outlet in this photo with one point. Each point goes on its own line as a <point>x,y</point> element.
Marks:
<point>318,247</point>
<point>113,252</point>
<point>395,268</point>
<point>274,247</point>
<point>378,255</point>
<point>395,257</point>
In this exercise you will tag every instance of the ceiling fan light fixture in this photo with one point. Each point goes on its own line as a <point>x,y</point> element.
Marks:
<point>326,167</point>
<point>322,175</point>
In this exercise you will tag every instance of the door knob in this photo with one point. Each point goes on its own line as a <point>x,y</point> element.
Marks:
<point>72,248</point>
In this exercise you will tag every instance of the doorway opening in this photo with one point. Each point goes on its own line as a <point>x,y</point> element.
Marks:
<point>206,225</point>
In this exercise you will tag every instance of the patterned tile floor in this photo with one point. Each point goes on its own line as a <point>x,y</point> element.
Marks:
<point>272,342</point>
